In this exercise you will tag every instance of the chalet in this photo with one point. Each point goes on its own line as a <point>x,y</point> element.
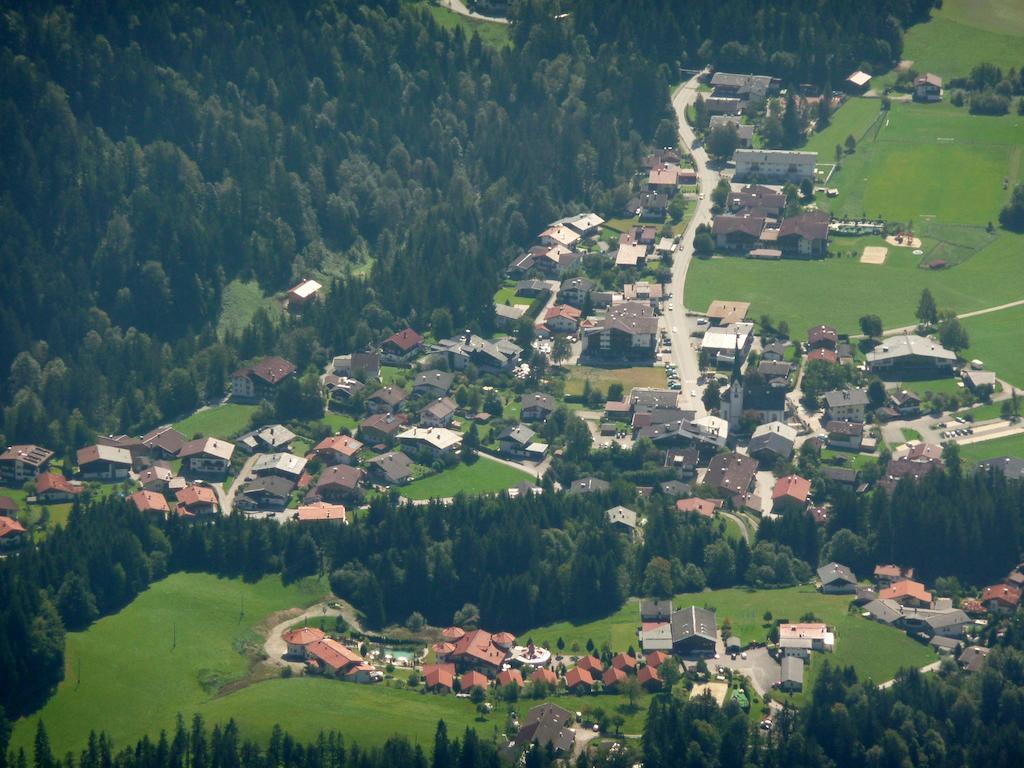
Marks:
<point>731,473</point>
<point>622,519</point>
<point>491,357</point>
<point>744,131</point>
<point>612,677</point>
<point>52,488</point>
<point>918,461</point>
<point>536,407</point>
<point>775,372</point>
<point>23,462</point>
<point>911,354</point>
<point>206,456</point>
<point>433,383</point>
<point>756,200</point>
<point>737,233</point>
<point>791,679</point>
<point>804,236</point>
<point>776,351</point>
<point>509,677</point>
<point>978,381</point>
<point>322,512</point>
<point>286,465</point>
<point>472,679</point>
<point>575,290</point>
<point>438,413</point>
<point>887,575</point>
<point>845,435</point>
<point>791,494</point>
<point>726,313</point>
<point>837,579</point>
<point>908,593</point>
<point>579,680</point>
<point>303,293</point>
<point>386,400</point>
<point>562,319</point>
<point>928,87</point>
<point>723,105</point>
<point>703,507</point>
<point>518,442</point>
<point>338,449</point>
<point>400,346</point>
<point>845,404</point>
<point>845,476</point>
<point>438,677</point>
<point>561,235</point>
<point>649,206</point>
<point>338,484</point>
<point>196,500</point>
<point>548,726</point>
<point>360,365</point>
<point>906,404</point>
<point>774,165</point>
<point>688,632</point>
<point>506,316</point>
<point>147,501</point>
<point>628,332</point>
<point>823,355</point>
<point>745,88</point>
<point>589,485</point>
<point>663,179</point>
<point>972,658</point>
<point>259,381</point>
<point>103,462</point>
<point>382,427</point>
<point>340,389</point>
<point>272,438</point>
<point>1001,598</point>
<point>772,440</point>
<point>549,260</point>
<point>266,493</point>
<point>11,532</point>
<point>532,289</point>
<point>435,440</point>
<point>392,468</point>
<point>164,442</point>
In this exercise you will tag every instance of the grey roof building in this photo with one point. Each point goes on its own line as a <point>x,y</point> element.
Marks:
<point>837,579</point>
<point>792,674</point>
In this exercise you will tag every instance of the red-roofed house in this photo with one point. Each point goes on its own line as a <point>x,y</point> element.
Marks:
<point>544,675</point>
<point>298,639</point>
<point>439,677</point>
<point>322,512</point>
<point>828,355</point>
<point>562,318</point>
<point>477,650</point>
<point>52,488</point>
<point>910,594</point>
<point>148,501</point>
<point>11,532</point>
<point>612,677</point>
<point>260,380</point>
<point>473,679</point>
<point>703,507</point>
<point>624,661</point>
<point>338,449</point>
<point>197,500</point>
<point>790,494</point>
<point>332,656</point>
<point>576,679</point>
<point>509,677</point>
<point>591,663</point>
<point>655,658</point>
<point>402,345</point>
<point>648,678</point>
<point>1000,598</point>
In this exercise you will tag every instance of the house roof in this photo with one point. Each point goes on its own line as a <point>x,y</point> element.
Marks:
<point>845,428</point>
<point>1010,466</point>
<point>728,312</point>
<point>479,646</point>
<point>395,465</point>
<point>812,225</point>
<point>439,438</point>
<point>302,636</point>
<point>509,677</point>
<point>906,588</point>
<point>621,515</point>
<point>165,438</point>
<point>893,572</point>
<point>909,345</point>
<point>836,572</point>
<point>108,453</point>
<point>286,463</point>
<point>406,339</point>
<point>590,663</point>
<point>544,675</point>
<point>747,225</point>
<point>972,658</point>
<point>386,423</point>
<point>271,486</point>
<point>435,675</point>
<point>613,676</point>
<point>191,495</point>
<point>33,455</point>
<point>441,408</point>
<point>792,670</point>
<point>792,487</point>
<point>271,370</point>
<point>538,400</point>
<point>473,679</point>
<point>1002,593</point>
<point>828,355</point>
<point>434,379</point>
<point>822,333</point>
<point>333,654</point>
<point>147,501</point>
<point>693,622</point>
<point>207,446</point>
<point>320,511</point>
<point>859,79</point>
<point>589,485</point>
<point>630,254</point>
<point>654,659</point>
<point>9,527</point>
<point>703,507</point>
<point>578,676</point>
<point>389,395</point>
<point>928,79</point>
<point>731,472</point>
<point>344,445</point>
<point>51,481</point>
<point>837,398</point>
<point>340,475</point>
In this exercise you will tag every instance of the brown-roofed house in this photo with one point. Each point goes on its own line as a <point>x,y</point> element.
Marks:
<point>402,344</point>
<point>886,575</point>
<point>727,312</point>
<point>338,449</point>
<point>737,233</point>
<point>104,462</point>
<point>731,473</point>
<point>11,532</point>
<point>477,650</point>
<point>196,500</point>
<point>339,483</point>
<point>804,236</point>
<point>259,380</point>
<point>386,400</point>
<point>147,501</point>
<point>164,442</point>
<point>381,427</point>
<point>206,456</point>
<point>23,462</point>
<point>822,337</point>
<point>1001,598</point>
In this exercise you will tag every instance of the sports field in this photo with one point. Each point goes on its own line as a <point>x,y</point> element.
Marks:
<point>874,650</point>
<point>482,476</point>
<point>997,339</point>
<point>964,33</point>
<point>169,651</point>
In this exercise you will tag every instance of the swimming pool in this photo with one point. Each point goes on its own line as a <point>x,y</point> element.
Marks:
<point>398,655</point>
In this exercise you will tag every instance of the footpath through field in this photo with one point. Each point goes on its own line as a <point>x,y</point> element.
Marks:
<point>961,316</point>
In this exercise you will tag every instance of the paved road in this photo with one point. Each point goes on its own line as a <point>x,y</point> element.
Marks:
<point>227,498</point>
<point>933,667</point>
<point>685,356</point>
<point>738,519</point>
<point>457,6</point>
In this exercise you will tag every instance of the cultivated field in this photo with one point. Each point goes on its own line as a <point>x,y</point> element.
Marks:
<point>482,476</point>
<point>170,651</point>
<point>998,340</point>
<point>224,421</point>
<point>875,651</point>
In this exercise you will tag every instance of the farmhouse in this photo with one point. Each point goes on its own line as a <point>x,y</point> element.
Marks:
<point>792,675</point>
<point>481,651</point>
<point>688,632</point>
<point>206,456</point>
<point>911,354</point>
<point>629,331</point>
<point>928,87</point>
<point>774,165</point>
<point>104,462</point>
<point>23,462</point>
<point>837,579</point>
<point>164,442</point>
<point>260,380</point>
<point>392,468</point>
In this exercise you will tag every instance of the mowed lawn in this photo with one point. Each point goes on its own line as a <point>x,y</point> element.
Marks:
<point>224,421</point>
<point>993,449</point>
<point>874,650</point>
<point>998,340</point>
<point>964,33</point>
<point>169,651</point>
<point>602,378</point>
<point>853,118</point>
<point>905,171</point>
<point>482,476</point>
<point>839,291</point>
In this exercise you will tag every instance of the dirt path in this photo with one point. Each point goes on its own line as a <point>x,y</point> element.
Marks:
<point>457,6</point>
<point>275,647</point>
<point>961,316</point>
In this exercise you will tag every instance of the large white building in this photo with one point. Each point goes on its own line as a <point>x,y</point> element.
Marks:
<point>774,165</point>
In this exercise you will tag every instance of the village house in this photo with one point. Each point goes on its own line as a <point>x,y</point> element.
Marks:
<point>265,493</point>
<point>206,456</point>
<point>286,465</point>
<point>164,442</point>
<point>1010,467</point>
<point>104,463</point>
<point>506,316</point>
<point>1001,598</point>
<point>631,255</point>
<point>303,293</point>
<point>731,473</point>
<point>774,165</point>
<point>386,400</point>
<point>548,260</point>
<point>438,413</point>
<point>11,532</point>
<point>322,512</point>
<point>435,440</point>
<point>721,345</point>
<point>857,82</point>
<point>622,519</point>
<point>928,87</point>
<point>845,435</point>
<point>745,88</point>
<point>908,593</point>
<point>744,131</point>
<point>260,380</point>
<point>723,105</point>
<point>433,383</point>
<point>338,484</point>
<point>628,332</point>
<point>401,346</point>
<point>737,233</point>
<point>518,442</point>
<point>196,500</point>
<point>775,372</point>
<point>664,179</point>
<point>491,357</point>
<point>824,355</point>
<point>918,461</point>
<point>703,507</point>
<point>52,488</point>
<point>804,236</point>
<point>579,680</point>
<point>906,404</point>
<point>391,468</point>
<point>561,235</point>
<point>972,659</point>
<point>272,438</point>
<point>649,206</point>
<point>822,337</point>
<point>756,200</point>
<point>338,449</point>
<point>147,501</point>
<point>379,428</point>
<point>340,389</point>
<point>589,485</point>
<point>532,289</point>
<point>911,354</point>
<point>978,381</point>
<point>688,632</point>
<point>479,650</point>
<point>575,290</point>
<point>725,313</point>
<point>536,406</point>
<point>360,365</point>
<point>837,579</point>
<point>887,575</point>
<point>791,494</point>
<point>23,462</point>
<point>791,679</point>
<point>550,727</point>
<point>845,404</point>
<point>561,319</point>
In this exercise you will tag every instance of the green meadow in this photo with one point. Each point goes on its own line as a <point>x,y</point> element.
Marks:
<point>224,421</point>
<point>997,339</point>
<point>482,476</point>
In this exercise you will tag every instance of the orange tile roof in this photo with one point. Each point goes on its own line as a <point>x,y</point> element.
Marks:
<point>473,679</point>
<point>147,501</point>
<point>10,527</point>
<point>439,675</point>
<point>906,588</point>
<point>612,676</point>
<point>623,661</point>
<point>705,507</point>
<point>478,646</point>
<point>321,510</point>
<point>343,444</point>
<point>656,658</point>
<point>333,654</point>
<point>577,676</point>
<point>509,677</point>
<point>793,487</point>
<point>51,481</point>
<point>1002,593</point>
<point>544,675</point>
<point>303,636</point>
<point>453,633</point>
<point>648,674</point>
<point>191,495</point>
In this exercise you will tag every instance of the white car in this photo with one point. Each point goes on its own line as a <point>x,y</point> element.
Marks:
<point>693,393</point>
<point>670,307</point>
<point>674,329</point>
<point>701,195</point>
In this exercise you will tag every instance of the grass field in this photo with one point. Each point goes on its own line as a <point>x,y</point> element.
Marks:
<point>996,339</point>
<point>507,295</point>
<point>491,33</point>
<point>601,378</point>
<point>482,476</point>
<point>851,119</point>
<point>839,290</point>
<point>338,421</point>
<point>876,651</point>
<point>964,33</point>
<point>167,652</point>
<point>240,302</point>
<point>945,386</point>
<point>224,421</point>
<point>991,449</point>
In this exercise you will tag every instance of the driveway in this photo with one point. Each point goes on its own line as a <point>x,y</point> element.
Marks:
<point>763,671</point>
<point>275,647</point>
<point>227,498</point>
